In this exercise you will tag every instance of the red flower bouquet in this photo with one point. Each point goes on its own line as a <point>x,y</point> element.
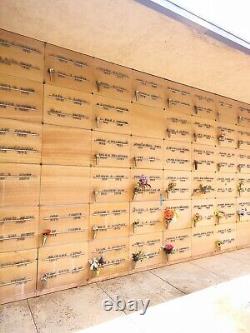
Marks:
<point>168,248</point>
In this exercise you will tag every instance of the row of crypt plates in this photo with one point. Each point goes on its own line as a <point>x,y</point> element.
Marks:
<point>64,266</point>
<point>24,227</point>
<point>20,185</point>
<point>30,101</point>
<point>23,142</point>
<point>26,58</point>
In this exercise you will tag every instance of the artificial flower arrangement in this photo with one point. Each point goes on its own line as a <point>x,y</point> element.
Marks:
<point>170,215</point>
<point>204,189</point>
<point>240,187</point>
<point>51,73</point>
<point>219,165</point>
<point>95,229</point>
<point>97,158</point>
<point>135,224</point>
<point>240,142</point>
<point>219,214</point>
<point>170,188</point>
<point>197,218</point>
<point>241,212</point>
<point>138,256</point>
<point>168,249</point>
<point>141,185</point>
<point>96,264</point>
<point>218,245</point>
<point>240,118</point>
<point>221,137</point>
<point>46,234</point>
<point>239,167</point>
<point>169,132</point>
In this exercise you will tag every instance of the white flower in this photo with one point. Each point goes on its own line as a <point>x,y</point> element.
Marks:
<point>94,264</point>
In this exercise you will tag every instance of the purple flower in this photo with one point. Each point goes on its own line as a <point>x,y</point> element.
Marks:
<point>143,180</point>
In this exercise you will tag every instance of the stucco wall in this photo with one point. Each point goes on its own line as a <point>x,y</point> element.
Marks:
<point>128,33</point>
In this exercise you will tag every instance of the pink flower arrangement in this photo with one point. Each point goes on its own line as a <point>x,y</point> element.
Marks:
<point>168,248</point>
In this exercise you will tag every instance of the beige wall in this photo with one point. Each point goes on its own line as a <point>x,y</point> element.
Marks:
<point>128,33</point>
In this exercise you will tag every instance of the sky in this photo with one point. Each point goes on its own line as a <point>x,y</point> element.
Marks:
<point>230,15</point>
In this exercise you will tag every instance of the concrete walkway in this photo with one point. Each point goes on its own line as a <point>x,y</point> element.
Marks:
<point>205,295</point>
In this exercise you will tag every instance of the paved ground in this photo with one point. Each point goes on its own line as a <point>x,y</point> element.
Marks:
<point>218,301</point>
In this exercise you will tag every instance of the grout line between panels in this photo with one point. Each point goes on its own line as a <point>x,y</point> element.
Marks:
<point>33,319</point>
